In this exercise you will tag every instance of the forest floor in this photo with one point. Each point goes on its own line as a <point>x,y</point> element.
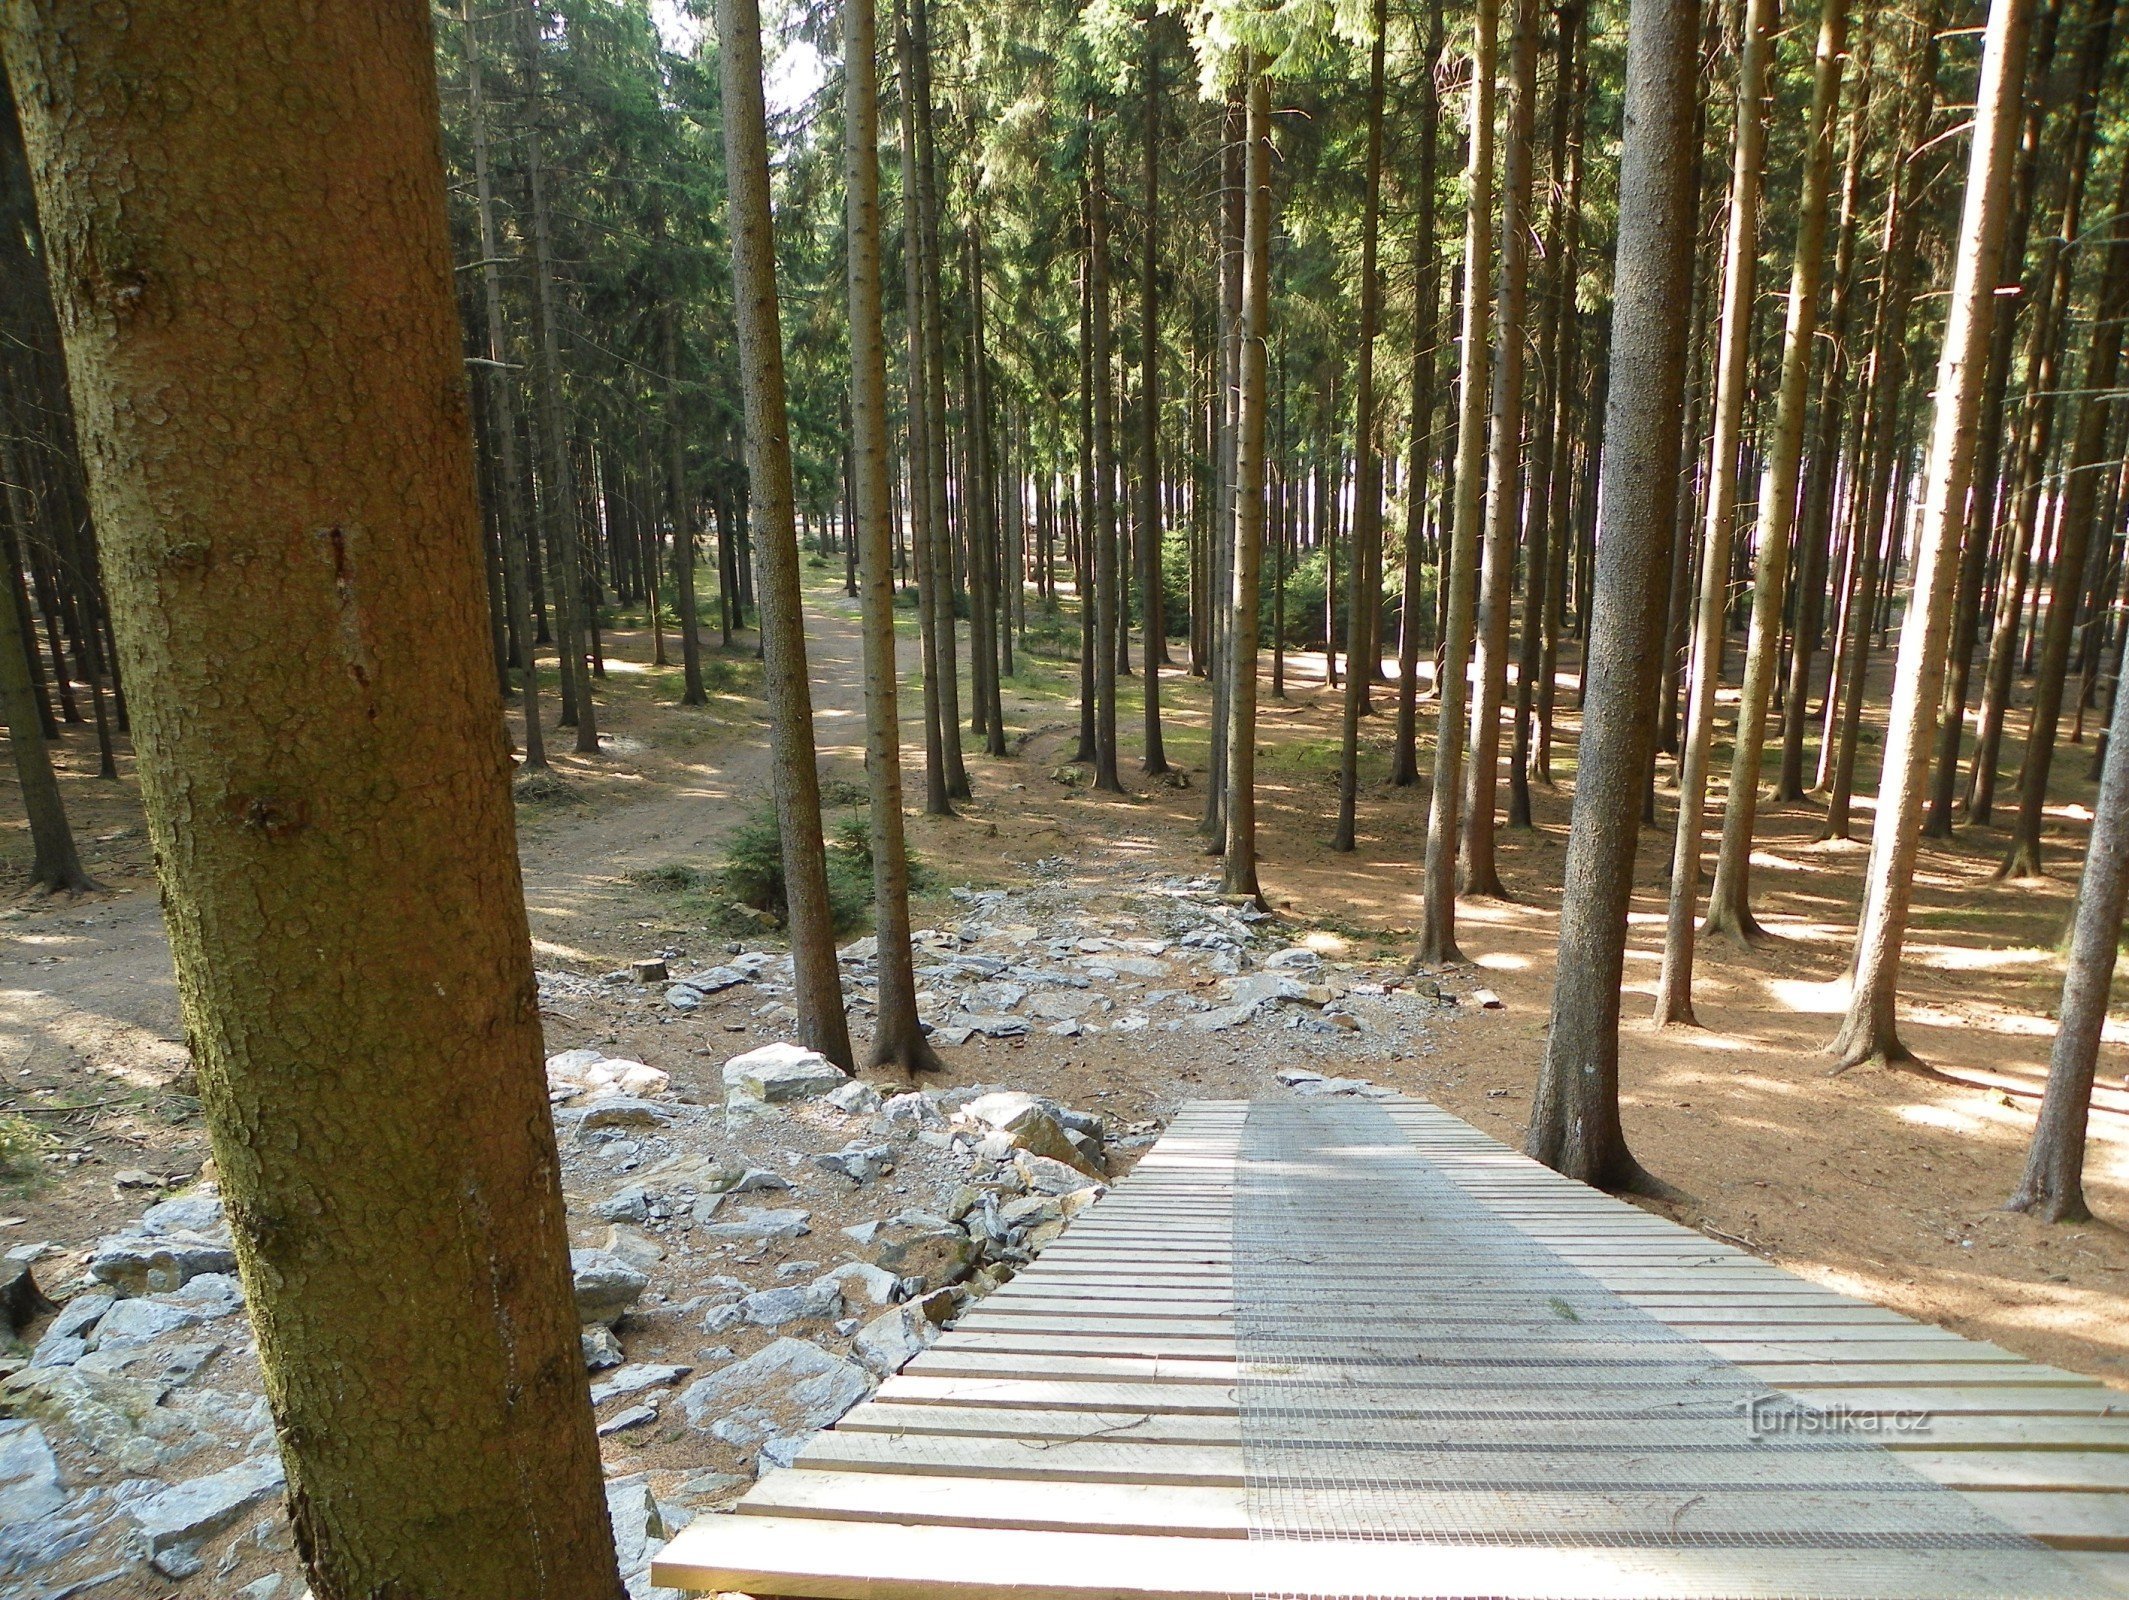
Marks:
<point>1885,1184</point>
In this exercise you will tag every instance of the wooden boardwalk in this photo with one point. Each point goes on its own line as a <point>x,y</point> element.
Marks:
<point>1081,1431</point>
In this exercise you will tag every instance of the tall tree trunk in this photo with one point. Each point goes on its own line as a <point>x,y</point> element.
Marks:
<point>1364,586</point>
<point>817,984</point>
<point>985,588</point>
<point>1543,479</point>
<point>2052,1187</point>
<point>1870,1032</point>
<point>1239,862</point>
<point>1233,172</point>
<point>1815,536</point>
<point>1426,381</point>
<point>510,509</point>
<point>923,512</point>
<point>1154,598</point>
<point>898,1039</point>
<point>681,503</point>
<point>1574,1117</point>
<point>1729,902</point>
<point>1674,989</point>
<point>1107,568</point>
<point>320,756</point>
<point>944,626</point>
<point>1437,941</point>
<point>2080,494</point>
<point>558,499</point>
<point>1504,465</point>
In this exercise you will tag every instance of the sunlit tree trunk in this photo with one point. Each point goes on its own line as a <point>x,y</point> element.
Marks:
<point>1239,862</point>
<point>1574,1118</point>
<point>1437,941</point>
<point>1674,989</point>
<point>1504,462</point>
<point>324,774</point>
<point>1729,901</point>
<point>511,514</point>
<point>898,1038</point>
<point>1151,589</point>
<point>1364,584</point>
<point>817,985</point>
<point>1870,1032</point>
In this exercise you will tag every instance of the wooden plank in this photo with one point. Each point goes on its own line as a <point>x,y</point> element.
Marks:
<point>833,1559</point>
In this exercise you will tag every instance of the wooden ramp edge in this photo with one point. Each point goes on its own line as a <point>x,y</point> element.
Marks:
<point>1076,1434</point>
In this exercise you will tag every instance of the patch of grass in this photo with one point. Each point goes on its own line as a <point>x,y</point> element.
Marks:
<point>747,881</point>
<point>842,792</point>
<point>22,1146</point>
<point>541,787</point>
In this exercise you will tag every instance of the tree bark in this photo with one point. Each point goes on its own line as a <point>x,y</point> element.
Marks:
<point>1674,989</point>
<point>1364,582</point>
<point>510,509</point>
<point>1574,1121</point>
<point>324,774</point>
<point>1438,884</point>
<point>1729,902</point>
<point>1107,569</point>
<point>1870,1032</point>
<point>817,985</point>
<point>1426,368</point>
<point>1154,625</point>
<point>1239,862</point>
<point>2080,493</point>
<point>898,1038</point>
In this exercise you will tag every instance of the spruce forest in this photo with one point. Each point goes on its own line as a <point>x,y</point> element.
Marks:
<point>684,681</point>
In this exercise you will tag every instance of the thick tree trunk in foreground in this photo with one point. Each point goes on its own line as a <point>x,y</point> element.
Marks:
<point>899,1037</point>
<point>1364,583</point>
<point>817,983</point>
<point>1239,863</point>
<point>324,773</point>
<point>1729,901</point>
<point>1870,1032</point>
<point>1574,1118</point>
<point>1504,464</point>
<point>1437,938</point>
<point>2053,1185</point>
<point>1674,989</point>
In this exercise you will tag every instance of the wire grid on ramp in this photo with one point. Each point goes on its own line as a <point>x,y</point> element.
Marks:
<point>1416,1369</point>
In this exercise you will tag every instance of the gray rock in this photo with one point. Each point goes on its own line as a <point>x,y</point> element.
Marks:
<point>622,1111</point>
<point>991,1024</point>
<point>714,980</point>
<point>856,1097</point>
<point>142,1263</point>
<point>859,1163</point>
<point>936,1255</point>
<point>632,1204</point>
<point>627,1417</point>
<point>198,1212</point>
<point>136,1322</point>
<point>1221,1018</point>
<point>188,1512</point>
<point>779,1073</point>
<point>906,1113</point>
<point>819,1301</point>
<point>1299,958</point>
<point>886,1343</point>
<point>266,1588</point>
<point>755,1223</point>
<point>606,1286</point>
<point>1045,1176</point>
<point>601,1348</point>
<point>634,1378</point>
<point>79,1315</point>
<point>759,1180</point>
<point>29,1475</point>
<point>53,1351</point>
<point>788,1386</point>
<point>639,1527</point>
<point>861,1280</point>
<point>1268,988</point>
<point>1029,1124</point>
<point>684,997</point>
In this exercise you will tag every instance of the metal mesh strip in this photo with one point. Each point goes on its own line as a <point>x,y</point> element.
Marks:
<point>1373,1409</point>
